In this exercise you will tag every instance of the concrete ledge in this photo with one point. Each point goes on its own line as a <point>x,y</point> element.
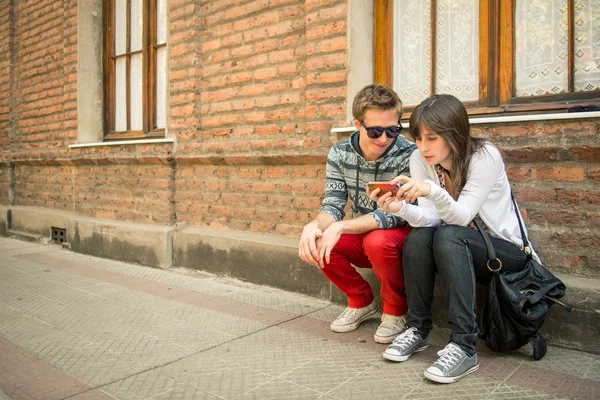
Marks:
<point>143,244</point>
<point>38,220</point>
<point>261,259</point>
<point>28,237</point>
<point>577,329</point>
<point>4,218</point>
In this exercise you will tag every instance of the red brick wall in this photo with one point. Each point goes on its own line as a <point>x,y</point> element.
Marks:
<point>40,119</point>
<point>124,192</point>
<point>45,74</point>
<point>5,91</point>
<point>258,198</point>
<point>272,78</point>
<point>44,186</point>
<point>273,82</point>
<point>255,87</point>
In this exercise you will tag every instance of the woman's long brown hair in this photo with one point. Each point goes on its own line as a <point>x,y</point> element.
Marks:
<point>445,115</point>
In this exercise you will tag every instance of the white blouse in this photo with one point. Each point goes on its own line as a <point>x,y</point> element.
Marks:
<point>486,192</point>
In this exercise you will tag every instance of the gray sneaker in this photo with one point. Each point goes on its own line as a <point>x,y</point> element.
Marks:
<point>405,345</point>
<point>453,364</point>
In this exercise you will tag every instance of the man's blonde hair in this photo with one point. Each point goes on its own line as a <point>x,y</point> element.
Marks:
<point>376,97</point>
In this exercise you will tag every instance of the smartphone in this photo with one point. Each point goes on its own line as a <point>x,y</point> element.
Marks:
<point>385,187</point>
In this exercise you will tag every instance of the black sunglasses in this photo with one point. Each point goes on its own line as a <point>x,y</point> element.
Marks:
<point>375,132</point>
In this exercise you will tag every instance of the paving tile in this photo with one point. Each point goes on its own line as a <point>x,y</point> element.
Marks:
<point>195,339</point>
<point>566,361</point>
<point>470,387</point>
<point>408,374</point>
<point>141,386</point>
<point>274,299</point>
<point>231,382</point>
<point>319,376</point>
<point>278,389</point>
<point>187,370</point>
<point>185,392</point>
<point>24,376</point>
<point>272,337</point>
<point>92,395</point>
<point>227,324</point>
<point>270,360</point>
<point>509,392</point>
<point>552,382</point>
<point>4,396</point>
<point>593,371</point>
<point>371,386</point>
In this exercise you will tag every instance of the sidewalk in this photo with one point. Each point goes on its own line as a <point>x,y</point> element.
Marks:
<point>79,327</point>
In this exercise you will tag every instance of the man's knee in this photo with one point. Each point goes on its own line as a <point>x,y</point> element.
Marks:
<point>380,240</point>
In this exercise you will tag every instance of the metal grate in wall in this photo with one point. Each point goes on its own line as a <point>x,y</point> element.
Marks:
<point>59,235</point>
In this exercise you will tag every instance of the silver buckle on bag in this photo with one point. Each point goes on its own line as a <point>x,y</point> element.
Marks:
<point>527,250</point>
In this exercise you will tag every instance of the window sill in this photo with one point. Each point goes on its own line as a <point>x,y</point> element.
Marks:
<point>506,119</point>
<point>122,142</point>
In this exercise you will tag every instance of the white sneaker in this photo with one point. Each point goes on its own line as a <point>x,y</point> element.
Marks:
<point>390,327</point>
<point>351,318</point>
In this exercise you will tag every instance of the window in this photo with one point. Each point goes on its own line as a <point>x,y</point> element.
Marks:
<point>135,68</point>
<point>494,55</point>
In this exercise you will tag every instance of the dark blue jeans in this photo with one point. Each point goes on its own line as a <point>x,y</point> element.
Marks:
<point>458,254</point>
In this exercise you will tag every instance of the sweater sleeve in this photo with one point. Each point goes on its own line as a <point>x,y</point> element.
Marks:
<point>423,214</point>
<point>336,190</point>
<point>485,167</point>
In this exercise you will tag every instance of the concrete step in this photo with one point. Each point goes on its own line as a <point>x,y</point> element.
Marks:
<point>28,236</point>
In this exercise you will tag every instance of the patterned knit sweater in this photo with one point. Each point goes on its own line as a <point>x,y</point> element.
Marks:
<point>348,172</point>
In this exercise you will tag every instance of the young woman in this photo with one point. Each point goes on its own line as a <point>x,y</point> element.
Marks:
<point>454,178</point>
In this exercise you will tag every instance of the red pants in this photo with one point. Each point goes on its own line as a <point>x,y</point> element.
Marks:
<point>380,250</point>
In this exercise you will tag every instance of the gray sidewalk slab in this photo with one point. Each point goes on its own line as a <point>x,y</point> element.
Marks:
<point>79,327</point>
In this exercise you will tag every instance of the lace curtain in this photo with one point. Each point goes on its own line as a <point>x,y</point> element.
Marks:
<point>541,57</point>
<point>541,48</point>
<point>456,49</point>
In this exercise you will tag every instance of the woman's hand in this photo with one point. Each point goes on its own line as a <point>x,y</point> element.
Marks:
<point>387,202</point>
<point>411,189</point>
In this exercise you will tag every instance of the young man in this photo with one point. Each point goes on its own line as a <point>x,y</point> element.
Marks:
<point>372,238</point>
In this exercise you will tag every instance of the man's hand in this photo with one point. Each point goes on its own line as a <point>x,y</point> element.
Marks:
<point>307,250</point>
<point>327,242</point>
<point>387,202</point>
<point>412,189</point>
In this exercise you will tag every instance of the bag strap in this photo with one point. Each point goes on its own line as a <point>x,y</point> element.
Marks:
<point>488,244</point>
<point>526,246</point>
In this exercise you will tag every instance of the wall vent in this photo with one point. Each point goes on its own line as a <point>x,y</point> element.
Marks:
<point>59,235</point>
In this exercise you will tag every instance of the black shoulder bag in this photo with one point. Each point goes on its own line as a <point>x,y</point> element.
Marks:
<point>517,302</point>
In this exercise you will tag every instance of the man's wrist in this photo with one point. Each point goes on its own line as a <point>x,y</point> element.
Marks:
<point>339,225</point>
<point>312,224</point>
